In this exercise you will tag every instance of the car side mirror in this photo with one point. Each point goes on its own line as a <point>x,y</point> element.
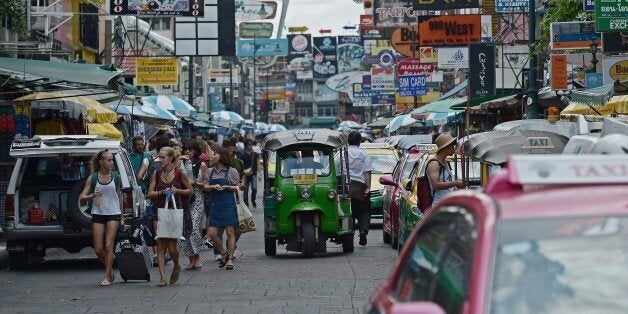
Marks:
<point>407,184</point>
<point>387,180</point>
<point>424,307</point>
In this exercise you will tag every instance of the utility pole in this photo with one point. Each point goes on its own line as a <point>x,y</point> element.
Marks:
<point>254,110</point>
<point>533,92</point>
<point>191,80</point>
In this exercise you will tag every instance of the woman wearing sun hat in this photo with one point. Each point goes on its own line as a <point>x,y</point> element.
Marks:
<point>439,172</point>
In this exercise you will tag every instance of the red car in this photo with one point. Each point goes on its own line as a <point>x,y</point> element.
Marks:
<point>548,235</point>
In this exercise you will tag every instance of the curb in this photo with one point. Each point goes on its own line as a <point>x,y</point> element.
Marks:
<point>4,256</point>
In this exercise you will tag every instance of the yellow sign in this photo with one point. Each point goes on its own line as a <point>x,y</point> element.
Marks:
<point>304,179</point>
<point>301,29</point>
<point>619,71</point>
<point>157,71</point>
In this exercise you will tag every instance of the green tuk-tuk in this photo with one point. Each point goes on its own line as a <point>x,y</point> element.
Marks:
<point>306,199</point>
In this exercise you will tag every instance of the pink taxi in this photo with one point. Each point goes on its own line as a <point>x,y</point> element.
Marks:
<point>549,234</point>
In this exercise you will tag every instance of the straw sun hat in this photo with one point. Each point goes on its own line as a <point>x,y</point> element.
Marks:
<point>444,140</point>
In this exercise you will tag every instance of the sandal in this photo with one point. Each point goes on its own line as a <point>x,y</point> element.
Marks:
<point>162,283</point>
<point>230,266</point>
<point>223,260</point>
<point>105,282</point>
<point>175,274</point>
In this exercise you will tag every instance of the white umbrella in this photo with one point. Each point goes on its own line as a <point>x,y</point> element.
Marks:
<point>399,121</point>
<point>171,103</point>
<point>226,118</point>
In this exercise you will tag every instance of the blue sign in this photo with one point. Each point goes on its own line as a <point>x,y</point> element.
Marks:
<point>412,85</point>
<point>382,100</point>
<point>512,6</point>
<point>589,5</point>
<point>361,90</point>
<point>262,47</point>
<point>593,80</point>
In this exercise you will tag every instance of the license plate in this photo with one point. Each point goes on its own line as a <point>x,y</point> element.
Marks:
<point>305,179</point>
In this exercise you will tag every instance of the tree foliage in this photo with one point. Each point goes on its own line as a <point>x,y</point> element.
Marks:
<point>558,11</point>
<point>14,11</point>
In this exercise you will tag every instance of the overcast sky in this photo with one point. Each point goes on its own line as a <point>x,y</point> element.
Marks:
<point>324,14</point>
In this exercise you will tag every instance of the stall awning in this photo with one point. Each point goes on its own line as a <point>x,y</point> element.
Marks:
<point>617,105</point>
<point>326,122</point>
<point>381,123</point>
<point>75,105</point>
<point>439,112</point>
<point>446,105</point>
<point>595,96</point>
<point>106,129</point>
<point>92,74</point>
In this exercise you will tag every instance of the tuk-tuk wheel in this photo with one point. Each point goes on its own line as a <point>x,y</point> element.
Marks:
<point>347,243</point>
<point>309,240</point>
<point>270,246</point>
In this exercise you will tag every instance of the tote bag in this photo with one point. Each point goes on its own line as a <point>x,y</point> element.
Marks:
<point>245,218</point>
<point>170,221</point>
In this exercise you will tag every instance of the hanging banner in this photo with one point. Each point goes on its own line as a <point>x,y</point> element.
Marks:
<point>616,42</point>
<point>447,30</point>
<point>300,55</point>
<point>560,79</point>
<point>481,70</point>
<point>350,53</point>
<point>253,10</point>
<point>325,63</point>
<point>157,71</point>
<point>453,58</point>
<point>194,8</point>
<point>394,13</point>
<point>573,35</point>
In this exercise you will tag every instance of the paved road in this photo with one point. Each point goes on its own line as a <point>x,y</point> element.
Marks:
<point>330,283</point>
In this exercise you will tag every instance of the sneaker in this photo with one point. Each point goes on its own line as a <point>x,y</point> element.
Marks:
<point>218,257</point>
<point>362,238</point>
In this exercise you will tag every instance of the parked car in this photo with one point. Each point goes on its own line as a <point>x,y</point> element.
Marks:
<point>409,212</point>
<point>383,160</point>
<point>42,202</point>
<point>548,235</point>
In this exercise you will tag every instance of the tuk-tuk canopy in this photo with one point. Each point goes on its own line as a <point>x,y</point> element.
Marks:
<point>275,141</point>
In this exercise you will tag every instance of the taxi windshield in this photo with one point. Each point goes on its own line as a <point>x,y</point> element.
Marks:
<point>304,161</point>
<point>561,263</point>
<point>383,164</point>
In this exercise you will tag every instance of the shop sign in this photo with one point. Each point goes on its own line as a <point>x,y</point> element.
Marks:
<point>194,8</point>
<point>360,90</point>
<point>343,82</point>
<point>481,70</point>
<point>366,20</point>
<point>616,42</point>
<point>157,71</point>
<point>373,32</point>
<point>362,102</point>
<point>255,29</point>
<point>512,6</point>
<point>573,35</point>
<point>447,30</point>
<point>412,85</point>
<point>126,60</point>
<point>453,58</point>
<point>428,55</point>
<point>406,41</point>
<point>274,94</point>
<point>513,57</point>
<point>382,79</point>
<point>383,100</point>
<point>221,78</point>
<point>611,15</point>
<point>560,80</point>
<point>446,4</point>
<point>615,69</point>
<point>394,13</point>
<point>414,67</point>
<point>385,59</point>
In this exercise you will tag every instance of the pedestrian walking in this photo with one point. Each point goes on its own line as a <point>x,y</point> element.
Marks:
<point>103,192</point>
<point>439,172</point>
<point>193,242</point>
<point>140,160</point>
<point>250,163</point>
<point>360,185</point>
<point>168,180</point>
<point>222,185</point>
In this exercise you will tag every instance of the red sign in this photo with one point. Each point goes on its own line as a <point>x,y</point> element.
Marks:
<point>325,31</point>
<point>366,20</point>
<point>414,67</point>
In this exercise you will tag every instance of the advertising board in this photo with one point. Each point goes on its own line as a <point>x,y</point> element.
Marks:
<point>573,35</point>
<point>324,53</point>
<point>193,8</point>
<point>559,78</point>
<point>261,47</point>
<point>157,71</point>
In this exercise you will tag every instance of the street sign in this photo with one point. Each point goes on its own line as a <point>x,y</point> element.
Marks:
<point>611,15</point>
<point>255,29</point>
<point>298,29</point>
<point>412,85</point>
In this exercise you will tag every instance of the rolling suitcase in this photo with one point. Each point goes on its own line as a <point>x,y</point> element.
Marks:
<point>133,260</point>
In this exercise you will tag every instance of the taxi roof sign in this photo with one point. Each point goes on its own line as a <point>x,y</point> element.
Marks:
<point>568,169</point>
<point>538,142</point>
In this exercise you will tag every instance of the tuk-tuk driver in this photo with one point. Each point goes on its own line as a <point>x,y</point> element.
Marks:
<point>307,164</point>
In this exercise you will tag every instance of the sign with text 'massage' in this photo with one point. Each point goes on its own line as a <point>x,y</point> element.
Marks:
<point>414,67</point>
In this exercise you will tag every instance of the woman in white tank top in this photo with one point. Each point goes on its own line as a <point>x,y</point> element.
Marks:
<point>102,188</point>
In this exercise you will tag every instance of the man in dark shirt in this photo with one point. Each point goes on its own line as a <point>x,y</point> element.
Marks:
<point>250,165</point>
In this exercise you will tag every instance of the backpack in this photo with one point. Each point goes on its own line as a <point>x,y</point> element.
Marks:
<point>94,178</point>
<point>425,193</point>
<point>153,166</point>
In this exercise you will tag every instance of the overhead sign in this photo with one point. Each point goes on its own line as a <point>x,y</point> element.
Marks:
<point>616,42</point>
<point>453,58</point>
<point>221,78</point>
<point>560,79</point>
<point>252,10</point>
<point>446,4</point>
<point>325,62</point>
<point>481,70</point>
<point>414,67</point>
<point>300,55</point>
<point>350,53</point>
<point>573,35</point>
<point>394,13</point>
<point>512,6</point>
<point>611,15</point>
<point>298,29</point>
<point>157,71</point>
<point>412,85</point>
<point>449,30</point>
<point>255,30</point>
<point>212,35</point>
<point>615,69</point>
<point>193,8</point>
<point>261,47</point>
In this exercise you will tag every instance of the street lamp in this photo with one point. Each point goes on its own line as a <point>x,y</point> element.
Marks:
<point>593,50</point>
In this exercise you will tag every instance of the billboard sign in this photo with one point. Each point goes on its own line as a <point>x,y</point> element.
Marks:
<point>512,6</point>
<point>261,47</point>
<point>449,30</point>
<point>611,15</point>
<point>157,71</point>
<point>193,8</point>
<point>615,69</point>
<point>253,10</point>
<point>446,4</point>
<point>560,80</point>
<point>412,85</point>
<point>325,62</point>
<point>453,58</point>
<point>350,53</point>
<point>616,42</point>
<point>343,82</point>
<point>573,35</point>
<point>255,30</point>
<point>382,79</point>
<point>414,67</point>
<point>366,20</point>
<point>481,70</point>
<point>394,13</point>
<point>221,78</point>
<point>300,55</point>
